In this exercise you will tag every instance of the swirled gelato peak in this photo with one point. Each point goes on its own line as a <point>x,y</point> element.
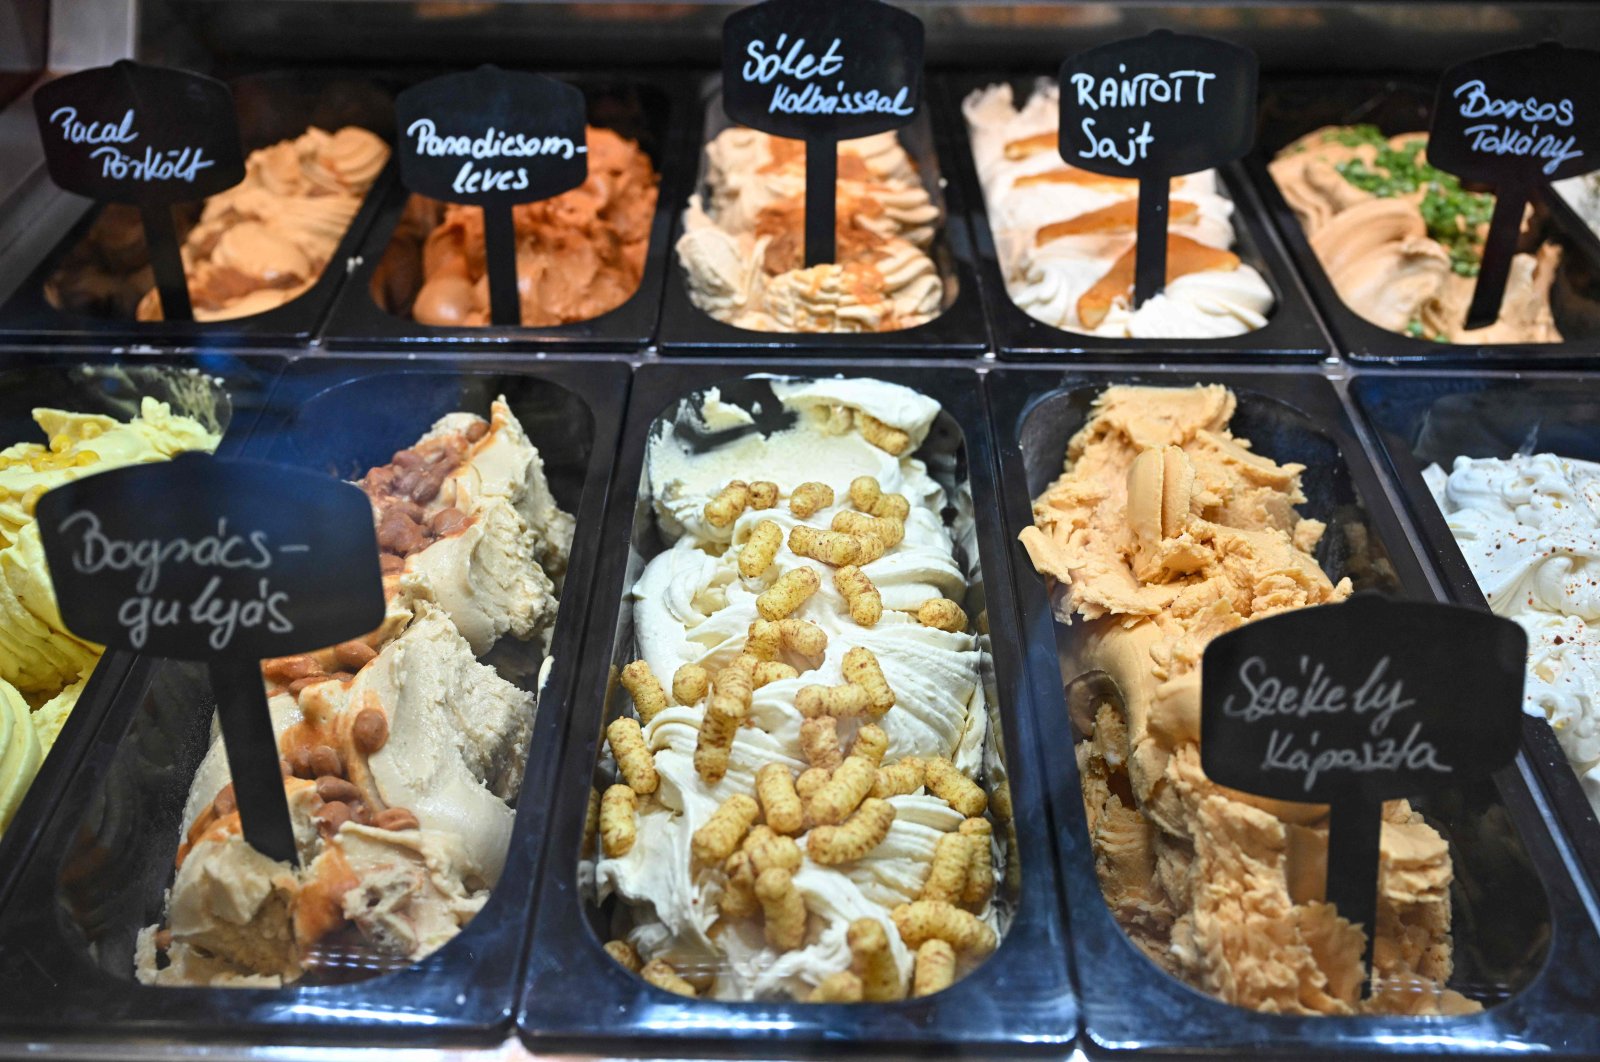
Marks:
<point>1529,526</point>
<point>742,249</point>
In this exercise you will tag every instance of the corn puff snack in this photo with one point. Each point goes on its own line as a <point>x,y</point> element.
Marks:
<point>725,508</point>
<point>618,828</point>
<point>648,696</point>
<point>866,605</point>
<point>866,829</point>
<point>756,555</point>
<point>790,591</point>
<point>810,498</point>
<point>634,762</point>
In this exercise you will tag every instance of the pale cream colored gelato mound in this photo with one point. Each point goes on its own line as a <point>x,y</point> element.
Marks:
<point>1402,242</point>
<point>742,248</point>
<point>701,604</point>
<point>1163,532</point>
<point>402,752</point>
<point>1065,236</point>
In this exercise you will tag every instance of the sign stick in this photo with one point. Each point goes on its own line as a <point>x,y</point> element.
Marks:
<point>252,750</point>
<point>822,175</point>
<point>500,250</point>
<point>1150,253</point>
<point>1354,829</point>
<point>1505,227</point>
<point>161,240</point>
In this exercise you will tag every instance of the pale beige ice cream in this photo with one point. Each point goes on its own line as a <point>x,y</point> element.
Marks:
<point>1529,526</point>
<point>1400,240</point>
<point>695,606</point>
<point>266,240</point>
<point>402,752</point>
<point>1163,532</point>
<point>43,666</point>
<point>742,248</point>
<point>1065,237</point>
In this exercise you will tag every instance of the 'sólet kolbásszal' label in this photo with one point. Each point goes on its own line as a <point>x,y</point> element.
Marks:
<point>821,71</point>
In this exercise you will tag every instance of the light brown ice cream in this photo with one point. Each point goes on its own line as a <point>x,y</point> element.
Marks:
<point>579,254</point>
<point>1401,241</point>
<point>743,252</point>
<point>266,240</point>
<point>1163,532</point>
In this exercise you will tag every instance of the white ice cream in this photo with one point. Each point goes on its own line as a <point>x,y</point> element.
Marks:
<point>1530,528</point>
<point>1014,150</point>
<point>692,606</point>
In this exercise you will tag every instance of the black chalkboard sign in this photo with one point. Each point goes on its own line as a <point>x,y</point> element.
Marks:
<point>1153,108</point>
<point>1512,121</point>
<point>1354,704</point>
<point>821,71</point>
<point>493,138</point>
<point>148,135</point>
<point>227,561</point>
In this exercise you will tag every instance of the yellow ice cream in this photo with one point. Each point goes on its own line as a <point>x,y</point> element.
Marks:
<point>1165,531</point>
<point>20,751</point>
<point>41,663</point>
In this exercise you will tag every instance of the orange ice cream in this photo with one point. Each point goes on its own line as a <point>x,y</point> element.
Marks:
<point>579,254</point>
<point>267,239</point>
<point>1163,532</point>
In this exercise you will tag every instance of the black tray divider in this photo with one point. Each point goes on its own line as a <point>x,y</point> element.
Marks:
<point>1127,1003</point>
<point>1396,105</point>
<point>575,998</point>
<point>960,331</point>
<point>1397,408</point>
<point>358,325</point>
<point>463,993</point>
<point>1292,333</point>
<point>28,318</point>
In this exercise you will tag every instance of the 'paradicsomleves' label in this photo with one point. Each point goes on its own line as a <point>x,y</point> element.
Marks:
<point>205,557</point>
<point>131,133</point>
<point>1370,700</point>
<point>1519,117</point>
<point>1158,105</point>
<point>822,69</point>
<point>492,137</point>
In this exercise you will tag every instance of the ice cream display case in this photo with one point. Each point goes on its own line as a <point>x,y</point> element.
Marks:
<point>955,770</point>
<point>591,261</point>
<point>1167,900</point>
<point>787,655</point>
<point>62,422</point>
<point>467,685</point>
<point>1390,247</point>
<point>263,260</point>
<point>1051,239</point>
<point>906,279</point>
<point>1498,474</point>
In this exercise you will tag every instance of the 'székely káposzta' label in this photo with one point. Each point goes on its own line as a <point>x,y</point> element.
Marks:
<point>204,557</point>
<point>1354,704</point>
<point>1511,122</point>
<point>492,137</point>
<point>1152,108</point>
<point>131,133</point>
<point>1373,698</point>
